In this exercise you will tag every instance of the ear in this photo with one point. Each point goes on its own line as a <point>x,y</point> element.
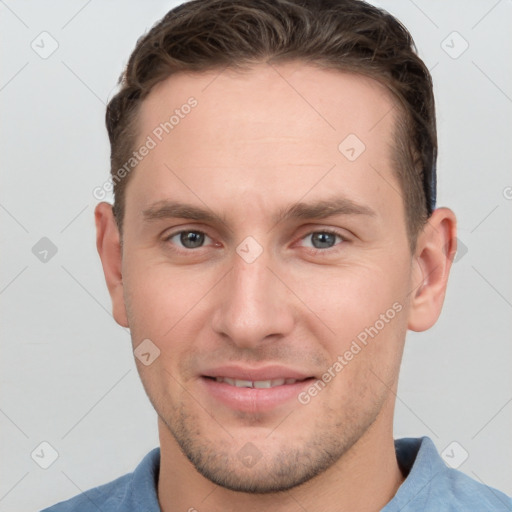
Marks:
<point>109,249</point>
<point>435,250</point>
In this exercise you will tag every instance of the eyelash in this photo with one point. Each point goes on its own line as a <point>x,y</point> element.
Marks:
<point>312,250</point>
<point>327,250</point>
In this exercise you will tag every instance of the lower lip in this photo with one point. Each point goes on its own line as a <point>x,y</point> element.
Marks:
<point>254,399</point>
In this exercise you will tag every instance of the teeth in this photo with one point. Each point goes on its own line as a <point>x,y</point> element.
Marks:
<point>259,384</point>
<point>243,383</point>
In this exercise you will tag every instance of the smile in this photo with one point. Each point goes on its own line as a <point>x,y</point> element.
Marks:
<point>254,391</point>
<point>259,384</point>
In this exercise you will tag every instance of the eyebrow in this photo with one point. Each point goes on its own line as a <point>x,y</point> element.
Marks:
<point>166,209</point>
<point>323,209</point>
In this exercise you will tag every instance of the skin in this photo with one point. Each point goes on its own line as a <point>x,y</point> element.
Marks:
<point>256,143</point>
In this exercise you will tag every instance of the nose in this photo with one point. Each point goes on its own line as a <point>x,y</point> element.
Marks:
<point>254,306</point>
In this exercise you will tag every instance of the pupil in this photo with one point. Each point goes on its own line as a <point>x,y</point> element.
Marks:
<point>191,239</point>
<point>323,240</point>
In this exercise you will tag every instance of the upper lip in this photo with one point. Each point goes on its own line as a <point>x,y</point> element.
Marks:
<point>256,374</point>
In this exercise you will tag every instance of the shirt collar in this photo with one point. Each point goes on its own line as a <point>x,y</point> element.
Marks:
<point>418,458</point>
<point>141,492</point>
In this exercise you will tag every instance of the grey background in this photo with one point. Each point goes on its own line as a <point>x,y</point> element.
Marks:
<point>67,372</point>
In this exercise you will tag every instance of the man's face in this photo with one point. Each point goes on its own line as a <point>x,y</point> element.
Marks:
<point>269,293</point>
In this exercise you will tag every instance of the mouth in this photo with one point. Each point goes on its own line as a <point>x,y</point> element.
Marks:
<point>256,384</point>
<point>255,391</point>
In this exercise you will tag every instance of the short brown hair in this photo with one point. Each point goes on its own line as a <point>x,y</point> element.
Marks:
<point>349,35</point>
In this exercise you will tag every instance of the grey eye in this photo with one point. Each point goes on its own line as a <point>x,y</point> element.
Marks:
<point>188,239</point>
<point>191,239</point>
<point>323,240</point>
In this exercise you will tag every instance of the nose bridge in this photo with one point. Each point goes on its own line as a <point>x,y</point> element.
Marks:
<point>253,303</point>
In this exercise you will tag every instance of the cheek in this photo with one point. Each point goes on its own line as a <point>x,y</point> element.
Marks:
<point>364,307</point>
<point>158,294</point>
<point>349,298</point>
<point>162,300</point>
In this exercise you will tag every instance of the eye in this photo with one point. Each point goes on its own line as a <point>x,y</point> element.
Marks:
<point>319,240</point>
<point>189,239</point>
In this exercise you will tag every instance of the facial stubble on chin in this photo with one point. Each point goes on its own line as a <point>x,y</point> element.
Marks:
<point>282,470</point>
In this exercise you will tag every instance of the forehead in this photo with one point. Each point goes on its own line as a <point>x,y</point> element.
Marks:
<point>261,99</point>
<point>269,133</point>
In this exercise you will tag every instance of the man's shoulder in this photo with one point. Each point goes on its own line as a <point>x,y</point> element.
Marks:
<point>104,497</point>
<point>123,493</point>
<point>470,493</point>
<point>432,485</point>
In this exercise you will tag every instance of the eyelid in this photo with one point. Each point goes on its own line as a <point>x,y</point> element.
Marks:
<point>167,237</point>
<point>330,231</point>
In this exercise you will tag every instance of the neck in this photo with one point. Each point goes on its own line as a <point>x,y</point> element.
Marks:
<point>365,479</point>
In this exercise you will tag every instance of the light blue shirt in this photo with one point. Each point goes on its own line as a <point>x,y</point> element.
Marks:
<point>430,486</point>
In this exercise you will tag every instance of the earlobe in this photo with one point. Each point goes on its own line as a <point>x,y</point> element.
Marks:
<point>435,250</point>
<point>109,248</point>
